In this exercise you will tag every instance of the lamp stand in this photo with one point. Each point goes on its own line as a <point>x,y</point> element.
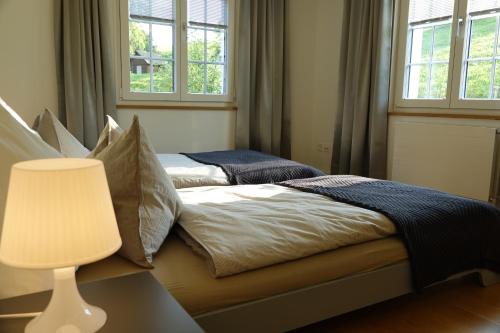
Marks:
<point>67,311</point>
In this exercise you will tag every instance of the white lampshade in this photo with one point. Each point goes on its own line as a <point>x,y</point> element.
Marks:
<point>58,214</point>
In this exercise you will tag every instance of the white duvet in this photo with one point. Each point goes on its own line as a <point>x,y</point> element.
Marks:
<point>186,172</point>
<point>244,227</point>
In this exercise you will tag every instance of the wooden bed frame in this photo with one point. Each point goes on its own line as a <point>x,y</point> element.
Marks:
<point>305,306</point>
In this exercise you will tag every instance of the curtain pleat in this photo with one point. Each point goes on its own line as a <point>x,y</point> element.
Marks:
<point>263,118</point>
<point>85,67</point>
<point>360,139</point>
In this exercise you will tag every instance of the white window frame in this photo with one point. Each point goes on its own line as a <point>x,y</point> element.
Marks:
<point>456,68</point>
<point>404,54</point>
<point>458,102</point>
<point>180,93</point>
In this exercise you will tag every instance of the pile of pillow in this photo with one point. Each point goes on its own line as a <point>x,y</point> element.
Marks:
<point>144,198</point>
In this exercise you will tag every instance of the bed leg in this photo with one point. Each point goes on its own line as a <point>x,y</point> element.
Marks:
<point>488,278</point>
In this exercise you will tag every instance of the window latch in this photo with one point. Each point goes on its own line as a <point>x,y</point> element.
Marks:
<point>460,26</point>
<point>184,26</point>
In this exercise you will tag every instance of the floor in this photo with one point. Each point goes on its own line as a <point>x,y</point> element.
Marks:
<point>454,307</point>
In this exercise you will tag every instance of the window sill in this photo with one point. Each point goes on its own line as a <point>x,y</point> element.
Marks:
<point>449,114</point>
<point>186,106</point>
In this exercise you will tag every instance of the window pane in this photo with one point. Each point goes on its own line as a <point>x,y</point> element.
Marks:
<point>196,78</point>
<point>439,78</point>
<point>207,49</point>
<point>151,45</point>
<point>429,39</point>
<point>196,44</point>
<point>138,39</point>
<point>417,83</point>
<point>421,45</point>
<point>139,76</point>
<point>215,46</point>
<point>215,79</point>
<point>442,39</point>
<point>163,41</point>
<point>478,80</point>
<point>163,77</point>
<point>482,39</point>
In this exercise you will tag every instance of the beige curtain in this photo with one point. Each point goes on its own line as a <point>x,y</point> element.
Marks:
<point>263,118</point>
<point>85,67</point>
<point>360,143</point>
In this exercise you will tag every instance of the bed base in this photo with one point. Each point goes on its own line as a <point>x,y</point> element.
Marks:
<point>312,304</point>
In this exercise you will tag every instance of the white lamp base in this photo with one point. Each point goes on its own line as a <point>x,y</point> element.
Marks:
<point>67,312</point>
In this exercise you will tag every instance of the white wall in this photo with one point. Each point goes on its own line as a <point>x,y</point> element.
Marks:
<point>27,58</point>
<point>451,180</point>
<point>174,131</point>
<point>314,32</point>
<point>313,38</point>
<point>461,163</point>
<point>455,156</point>
<point>28,80</point>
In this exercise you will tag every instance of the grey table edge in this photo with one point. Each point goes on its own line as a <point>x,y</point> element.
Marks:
<point>133,303</point>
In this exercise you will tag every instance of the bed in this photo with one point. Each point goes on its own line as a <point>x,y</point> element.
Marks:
<point>281,295</point>
<point>329,257</point>
<point>224,305</point>
<point>186,172</point>
<point>231,167</point>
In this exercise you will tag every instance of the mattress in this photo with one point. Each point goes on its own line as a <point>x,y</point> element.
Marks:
<point>186,172</point>
<point>187,277</point>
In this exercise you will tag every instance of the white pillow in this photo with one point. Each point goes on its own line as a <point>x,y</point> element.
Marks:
<point>55,134</point>
<point>19,143</point>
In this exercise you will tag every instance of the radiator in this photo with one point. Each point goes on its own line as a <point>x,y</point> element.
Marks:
<point>452,158</point>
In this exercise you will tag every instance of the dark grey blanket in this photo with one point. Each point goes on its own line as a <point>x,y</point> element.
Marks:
<point>252,167</point>
<point>443,233</point>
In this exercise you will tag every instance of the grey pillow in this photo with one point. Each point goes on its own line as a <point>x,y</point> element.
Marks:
<point>55,134</point>
<point>144,198</point>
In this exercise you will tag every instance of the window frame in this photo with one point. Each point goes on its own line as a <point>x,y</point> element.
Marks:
<point>186,96</point>
<point>180,93</point>
<point>404,54</point>
<point>457,102</point>
<point>456,70</point>
<point>429,64</point>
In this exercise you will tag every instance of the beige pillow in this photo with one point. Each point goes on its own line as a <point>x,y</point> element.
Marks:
<point>145,200</point>
<point>19,143</point>
<point>109,134</point>
<point>55,134</point>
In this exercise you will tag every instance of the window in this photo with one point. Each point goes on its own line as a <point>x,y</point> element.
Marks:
<point>429,39</point>
<point>206,47</point>
<point>151,34</point>
<point>451,54</point>
<point>177,50</point>
<point>481,72</point>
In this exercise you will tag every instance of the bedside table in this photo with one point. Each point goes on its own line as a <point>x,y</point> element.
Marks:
<point>134,303</point>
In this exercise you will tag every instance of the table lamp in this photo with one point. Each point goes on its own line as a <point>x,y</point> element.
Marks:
<point>59,215</point>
